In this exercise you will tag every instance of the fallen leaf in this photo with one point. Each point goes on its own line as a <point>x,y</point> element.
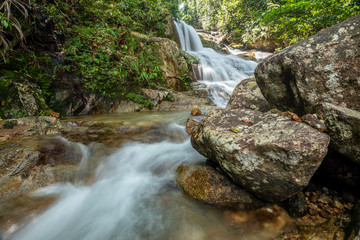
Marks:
<point>54,114</point>
<point>234,130</point>
<point>295,117</point>
<point>247,121</point>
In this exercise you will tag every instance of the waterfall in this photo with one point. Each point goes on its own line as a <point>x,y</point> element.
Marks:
<point>219,73</point>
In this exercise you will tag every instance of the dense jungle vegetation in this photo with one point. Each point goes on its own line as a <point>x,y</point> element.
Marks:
<point>94,39</point>
<point>283,21</point>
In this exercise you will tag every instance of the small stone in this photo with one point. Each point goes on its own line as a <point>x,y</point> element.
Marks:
<point>313,212</point>
<point>336,204</point>
<point>325,214</point>
<point>324,198</point>
<point>329,210</point>
<point>313,197</point>
<point>297,205</point>
<point>196,111</point>
<point>337,211</point>
<point>314,122</point>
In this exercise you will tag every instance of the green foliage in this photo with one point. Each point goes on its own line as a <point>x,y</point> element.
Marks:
<point>296,20</point>
<point>285,21</point>
<point>139,99</point>
<point>12,14</point>
<point>103,48</point>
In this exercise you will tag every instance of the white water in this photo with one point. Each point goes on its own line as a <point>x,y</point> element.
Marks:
<point>125,201</point>
<point>220,73</point>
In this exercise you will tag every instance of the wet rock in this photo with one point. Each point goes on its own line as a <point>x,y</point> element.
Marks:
<point>297,205</point>
<point>190,125</point>
<point>314,122</point>
<point>320,75</point>
<point>25,166</point>
<point>10,124</point>
<point>247,94</point>
<point>268,220</point>
<point>157,96</point>
<point>331,229</point>
<point>32,126</point>
<point>196,111</point>
<point>353,229</point>
<point>126,106</point>
<point>258,150</point>
<point>207,184</point>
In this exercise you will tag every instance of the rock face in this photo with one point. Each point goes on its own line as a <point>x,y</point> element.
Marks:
<point>320,75</point>
<point>174,63</point>
<point>209,185</point>
<point>271,156</point>
<point>21,97</point>
<point>247,94</point>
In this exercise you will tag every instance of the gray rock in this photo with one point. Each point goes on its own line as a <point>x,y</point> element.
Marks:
<point>343,126</point>
<point>247,94</point>
<point>271,156</point>
<point>321,69</point>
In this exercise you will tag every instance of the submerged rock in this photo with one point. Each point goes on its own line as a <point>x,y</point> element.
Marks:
<point>29,164</point>
<point>247,94</point>
<point>320,75</point>
<point>209,185</point>
<point>271,156</point>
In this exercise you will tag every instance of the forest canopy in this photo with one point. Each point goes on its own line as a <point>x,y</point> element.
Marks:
<point>286,21</point>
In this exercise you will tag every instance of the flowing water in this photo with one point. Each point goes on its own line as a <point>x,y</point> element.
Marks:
<point>220,73</point>
<point>133,194</point>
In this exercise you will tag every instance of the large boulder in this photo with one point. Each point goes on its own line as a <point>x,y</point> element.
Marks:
<point>343,126</point>
<point>322,68</point>
<point>320,75</point>
<point>247,94</point>
<point>271,156</point>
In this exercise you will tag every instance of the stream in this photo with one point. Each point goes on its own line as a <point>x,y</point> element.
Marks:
<point>132,193</point>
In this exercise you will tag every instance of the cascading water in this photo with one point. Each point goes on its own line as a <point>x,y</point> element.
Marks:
<point>220,73</point>
<point>125,202</point>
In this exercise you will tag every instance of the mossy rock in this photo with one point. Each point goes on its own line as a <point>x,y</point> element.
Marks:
<point>19,96</point>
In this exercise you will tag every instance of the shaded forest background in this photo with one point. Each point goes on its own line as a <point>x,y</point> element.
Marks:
<point>283,21</point>
<point>102,42</point>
